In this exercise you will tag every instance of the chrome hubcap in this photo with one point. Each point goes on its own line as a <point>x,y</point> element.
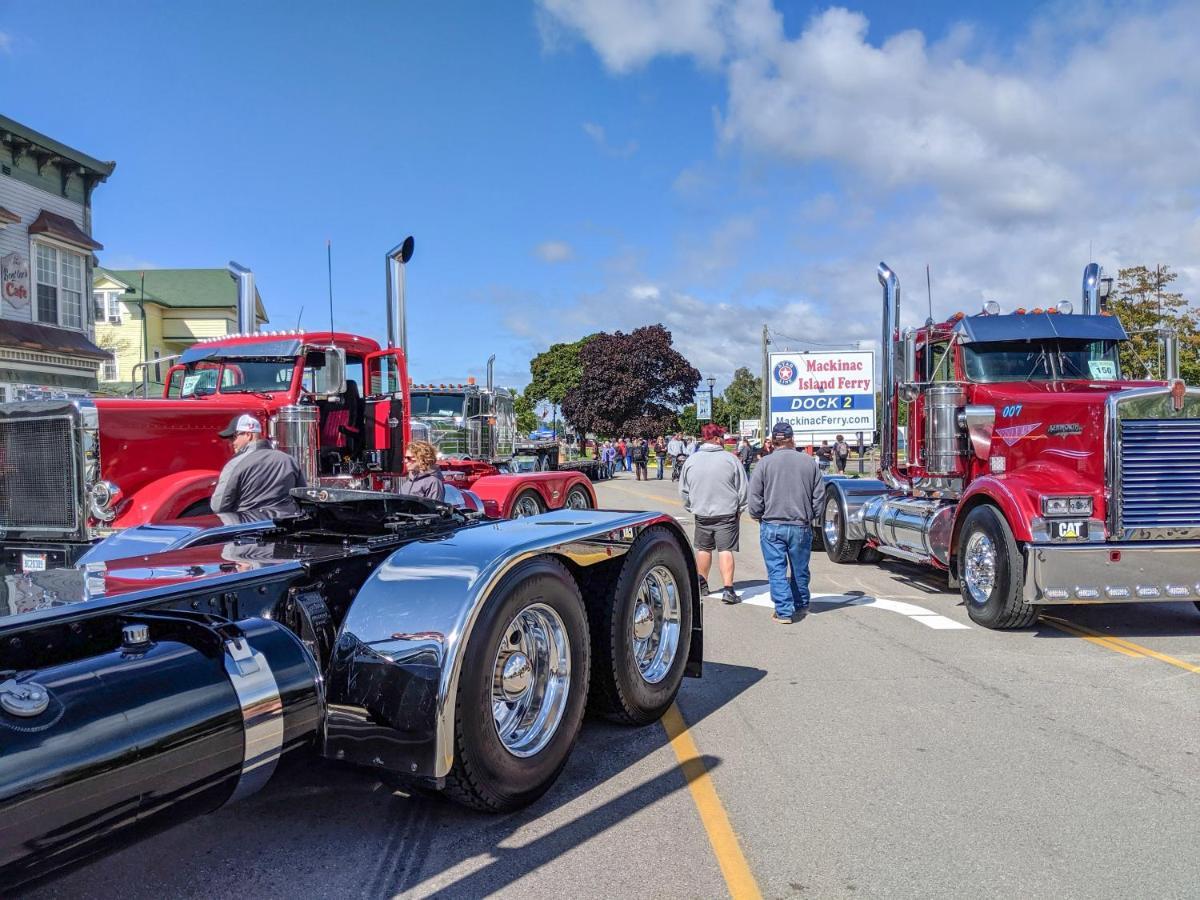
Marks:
<point>833,522</point>
<point>531,680</point>
<point>979,567</point>
<point>654,632</point>
<point>526,507</point>
<point>577,500</point>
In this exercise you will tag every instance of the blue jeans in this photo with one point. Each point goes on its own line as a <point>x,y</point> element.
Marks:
<point>781,545</point>
<point>662,458</point>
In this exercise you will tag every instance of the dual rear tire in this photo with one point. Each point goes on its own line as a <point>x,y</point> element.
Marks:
<point>538,654</point>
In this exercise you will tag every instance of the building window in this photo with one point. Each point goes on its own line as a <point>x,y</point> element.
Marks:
<point>106,306</point>
<point>59,286</point>
<point>108,369</point>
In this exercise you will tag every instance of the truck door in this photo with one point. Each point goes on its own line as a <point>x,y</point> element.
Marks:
<point>387,417</point>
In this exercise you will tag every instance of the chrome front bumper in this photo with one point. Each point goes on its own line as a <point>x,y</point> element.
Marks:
<point>1112,573</point>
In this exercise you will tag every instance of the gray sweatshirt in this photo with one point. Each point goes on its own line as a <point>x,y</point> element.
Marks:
<point>258,480</point>
<point>786,488</point>
<point>428,484</point>
<point>712,482</point>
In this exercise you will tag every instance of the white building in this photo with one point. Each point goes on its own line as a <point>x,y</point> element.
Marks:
<point>47,346</point>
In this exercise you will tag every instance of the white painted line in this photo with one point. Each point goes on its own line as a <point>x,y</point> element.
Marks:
<point>761,596</point>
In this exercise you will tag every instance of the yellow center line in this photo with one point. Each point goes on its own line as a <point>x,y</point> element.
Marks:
<point>738,877</point>
<point>1120,645</point>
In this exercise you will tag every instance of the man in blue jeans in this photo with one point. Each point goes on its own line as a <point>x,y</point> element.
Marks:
<point>786,494</point>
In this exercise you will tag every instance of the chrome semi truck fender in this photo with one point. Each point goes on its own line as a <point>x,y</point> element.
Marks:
<point>853,494</point>
<point>393,678</point>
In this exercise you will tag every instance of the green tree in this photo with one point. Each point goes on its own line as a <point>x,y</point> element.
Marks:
<point>741,400</point>
<point>1143,303</point>
<point>555,372</point>
<point>688,423</point>
<point>527,419</point>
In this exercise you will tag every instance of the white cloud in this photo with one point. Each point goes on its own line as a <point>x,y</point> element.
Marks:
<point>6,43</point>
<point>629,33</point>
<point>554,251</point>
<point>999,168</point>
<point>598,134</point>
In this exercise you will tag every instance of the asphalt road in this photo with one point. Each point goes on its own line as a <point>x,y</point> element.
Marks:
<point>883,747</point>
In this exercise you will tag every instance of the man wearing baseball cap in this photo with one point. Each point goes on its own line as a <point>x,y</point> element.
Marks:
<point>257,483</point>
<point>787,493</point>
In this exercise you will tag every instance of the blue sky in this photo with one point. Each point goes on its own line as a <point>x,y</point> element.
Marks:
<point>574,165</point>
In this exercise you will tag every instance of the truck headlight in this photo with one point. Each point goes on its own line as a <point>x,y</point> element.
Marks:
<point>1067,506</point>
<point>102,497</point>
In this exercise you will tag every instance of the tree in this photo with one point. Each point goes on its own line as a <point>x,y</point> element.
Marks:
<point>631,384</point>
<point>1143,305</point>
<point>742,398</point>
<point>527,419</point>
<point>555,372</point>
<point>688,423</point>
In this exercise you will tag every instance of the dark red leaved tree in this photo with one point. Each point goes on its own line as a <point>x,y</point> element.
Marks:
<point>631,384</point>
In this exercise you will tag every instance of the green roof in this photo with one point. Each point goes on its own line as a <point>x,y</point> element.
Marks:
<point>97,167</point>
<point>182,288</point>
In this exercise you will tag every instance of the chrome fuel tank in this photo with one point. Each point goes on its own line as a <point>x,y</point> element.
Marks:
<point>911,528</point>
<point>297,433</point>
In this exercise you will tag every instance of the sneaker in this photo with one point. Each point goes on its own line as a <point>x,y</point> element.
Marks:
<point>782,620</point>
<point>729,597</point>
<point>703,586</point>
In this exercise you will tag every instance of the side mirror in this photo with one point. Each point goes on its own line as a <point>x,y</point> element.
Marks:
<point>335,371</point>
<point>908,371</point>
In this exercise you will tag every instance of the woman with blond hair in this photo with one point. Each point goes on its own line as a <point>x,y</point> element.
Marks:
<point>423,478</point>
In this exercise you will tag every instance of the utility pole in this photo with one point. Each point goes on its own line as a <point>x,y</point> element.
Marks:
<point>763,424</point>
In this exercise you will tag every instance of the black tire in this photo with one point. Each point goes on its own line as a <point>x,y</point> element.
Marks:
<point>527,496</point>
<point>838,547</point>
<point>485,775</point>
<point>1003,606</point>
<point>578,491</point>
<point>619,691</point>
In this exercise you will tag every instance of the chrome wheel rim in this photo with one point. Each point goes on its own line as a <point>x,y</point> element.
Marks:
<point>525,507</point>
<point>654,627</point>
<point>833,522</point>
<point>576,499</point>
<point>530,680</point>
<point>979,567</point>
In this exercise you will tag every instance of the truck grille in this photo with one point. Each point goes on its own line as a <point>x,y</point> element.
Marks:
<point>37,475</point>
<point>1160,473</point>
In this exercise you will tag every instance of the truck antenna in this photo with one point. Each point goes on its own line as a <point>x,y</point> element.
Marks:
<point>299,317</point>
<point>329,270</point>
<point>929,293</point>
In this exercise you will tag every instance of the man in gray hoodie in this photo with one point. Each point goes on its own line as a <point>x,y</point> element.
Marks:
<point>787,493</point>
<point>713,488</point>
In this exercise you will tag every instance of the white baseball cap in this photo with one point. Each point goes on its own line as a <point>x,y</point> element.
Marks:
<point>243,424</point>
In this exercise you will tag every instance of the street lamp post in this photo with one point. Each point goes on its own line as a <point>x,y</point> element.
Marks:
<point>712,409</point>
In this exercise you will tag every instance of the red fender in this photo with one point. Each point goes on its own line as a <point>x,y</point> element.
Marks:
<point>499,491</point>
<point>166,499</point>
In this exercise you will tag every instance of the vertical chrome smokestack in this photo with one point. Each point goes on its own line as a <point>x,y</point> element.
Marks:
<point>491,368</point>
<point>397,258</point>
<point>891,323</point>
<point>247,320</point>
<point>1091,289</point>
<point>1170,340</point>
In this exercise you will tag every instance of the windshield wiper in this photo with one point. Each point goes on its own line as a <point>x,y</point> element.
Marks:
<point>1041,360</point>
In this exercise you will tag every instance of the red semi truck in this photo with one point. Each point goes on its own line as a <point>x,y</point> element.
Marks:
<point>1035,474</point>
<point>337,402</point>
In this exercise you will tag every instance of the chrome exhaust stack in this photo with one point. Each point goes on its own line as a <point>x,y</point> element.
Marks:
<point>395,261</point>
<point>491,369</point>
<point>246,297</point>
<point>887,430</point>
<point>1091,289</point>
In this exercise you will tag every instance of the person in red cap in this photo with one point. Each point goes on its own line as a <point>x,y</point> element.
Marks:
<point>257,483</point>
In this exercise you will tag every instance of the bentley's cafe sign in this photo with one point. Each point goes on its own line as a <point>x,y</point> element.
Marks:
<point>14,280</point>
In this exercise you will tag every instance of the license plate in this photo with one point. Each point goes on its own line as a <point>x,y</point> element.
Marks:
<point>33,562</point>
<point>1069,531</point>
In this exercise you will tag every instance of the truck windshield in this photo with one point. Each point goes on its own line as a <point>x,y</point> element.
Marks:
<point>241,376</point>
<point>437,404</point>
<point>1042,361</point>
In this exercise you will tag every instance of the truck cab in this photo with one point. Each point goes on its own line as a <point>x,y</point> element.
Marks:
<point>1035,472</point>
